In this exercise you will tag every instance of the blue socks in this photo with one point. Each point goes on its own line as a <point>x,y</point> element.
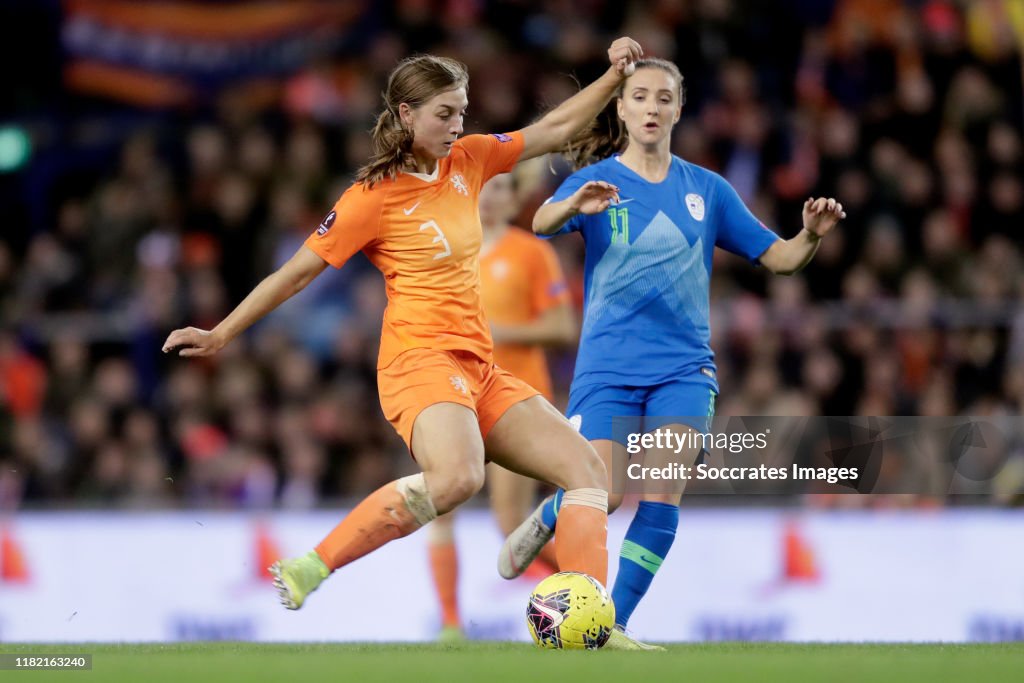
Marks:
<point>549,513</point>
<point>647,542</point>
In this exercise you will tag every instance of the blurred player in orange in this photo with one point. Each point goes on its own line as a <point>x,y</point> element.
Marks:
<point>414,212</point>
<point>527,303</point>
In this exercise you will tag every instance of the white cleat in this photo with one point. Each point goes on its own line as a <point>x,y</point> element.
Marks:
<point>524,544</point>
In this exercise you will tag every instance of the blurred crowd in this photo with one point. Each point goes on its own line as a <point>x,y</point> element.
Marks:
<point>910,113</point>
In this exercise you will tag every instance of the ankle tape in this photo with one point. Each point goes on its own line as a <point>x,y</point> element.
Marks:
<point>417,498</point>
<point>591,498</point>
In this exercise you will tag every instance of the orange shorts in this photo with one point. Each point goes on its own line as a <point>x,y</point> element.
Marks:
<point>419,378</point>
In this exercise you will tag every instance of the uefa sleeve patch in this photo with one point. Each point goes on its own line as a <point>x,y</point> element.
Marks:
<point>326,224</point>
<point>502,137</point>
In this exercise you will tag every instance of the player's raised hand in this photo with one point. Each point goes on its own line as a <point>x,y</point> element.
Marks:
<point>192,341</point>
<point>821,215</point>
<point>623,54</point>
<point>594,197</point>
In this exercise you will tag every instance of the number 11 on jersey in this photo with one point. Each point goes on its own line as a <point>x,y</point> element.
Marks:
<point>620,224</point>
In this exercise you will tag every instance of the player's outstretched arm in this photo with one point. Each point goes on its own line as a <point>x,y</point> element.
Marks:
<point>594,197</point>
<point>285,282</point>
<point>786,257</point>
<point>562,123</point>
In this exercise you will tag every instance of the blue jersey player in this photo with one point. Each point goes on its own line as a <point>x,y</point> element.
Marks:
<point>650,221</point>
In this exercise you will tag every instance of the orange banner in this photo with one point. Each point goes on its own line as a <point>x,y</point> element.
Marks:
<point>237,21</point>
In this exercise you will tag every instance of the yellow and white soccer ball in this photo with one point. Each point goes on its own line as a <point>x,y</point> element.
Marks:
<point>570,611</point>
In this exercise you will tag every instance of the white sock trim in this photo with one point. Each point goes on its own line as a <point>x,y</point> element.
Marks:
<point>417,498</point>
<point>591,498</point>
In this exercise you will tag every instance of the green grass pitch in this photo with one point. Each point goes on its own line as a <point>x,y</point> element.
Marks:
<point>522,663</point>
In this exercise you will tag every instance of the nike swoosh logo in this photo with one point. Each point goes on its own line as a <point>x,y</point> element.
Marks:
<point>556,617</point>
<point>649,563</point>
<point>408,212</point>
<point>625,201</point>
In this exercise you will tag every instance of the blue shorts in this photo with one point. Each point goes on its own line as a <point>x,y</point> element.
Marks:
<point>640,409</point>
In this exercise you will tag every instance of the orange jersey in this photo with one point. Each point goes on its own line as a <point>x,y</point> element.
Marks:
<point>521,280</point>
<point>423,233</point>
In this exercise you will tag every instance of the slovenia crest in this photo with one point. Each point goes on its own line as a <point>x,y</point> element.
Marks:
<point>695,205</point>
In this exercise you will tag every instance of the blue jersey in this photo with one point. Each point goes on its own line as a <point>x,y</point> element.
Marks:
<point>648,267</point>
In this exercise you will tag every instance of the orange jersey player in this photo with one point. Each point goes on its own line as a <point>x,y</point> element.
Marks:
<point>413,212</point>
<point>525,294</point>
<point>527,303</point>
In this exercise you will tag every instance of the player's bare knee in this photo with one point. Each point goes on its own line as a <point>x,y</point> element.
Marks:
<point>585,470</point>
<point>465,485</point>
<point>614,501</point>
<point>458,485</point>
<point>593,469</point>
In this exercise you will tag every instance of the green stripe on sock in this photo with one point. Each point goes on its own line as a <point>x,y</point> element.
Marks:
<point>641,556</point>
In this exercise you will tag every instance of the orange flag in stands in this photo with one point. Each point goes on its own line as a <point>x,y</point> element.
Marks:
<point>799,557</point>
<point>13,568</point>
<point>266,552</point>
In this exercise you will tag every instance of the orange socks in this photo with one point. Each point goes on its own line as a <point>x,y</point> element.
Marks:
<point>548,556</point>
<point>582,533</point>
<point>392,511</point>
<point>444,566</point>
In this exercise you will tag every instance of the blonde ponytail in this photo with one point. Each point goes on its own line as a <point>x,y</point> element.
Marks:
<point>392,149</point>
